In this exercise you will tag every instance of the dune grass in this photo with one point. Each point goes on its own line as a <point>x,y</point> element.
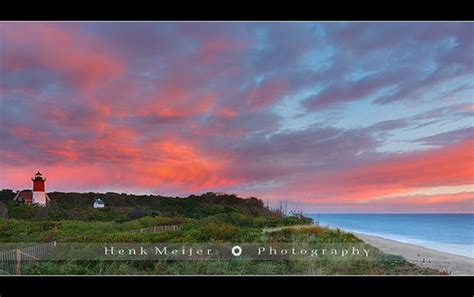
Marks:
<point>196,231</point>
<point>209,218</point>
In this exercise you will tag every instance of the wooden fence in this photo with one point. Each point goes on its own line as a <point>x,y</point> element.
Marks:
<point>157,229</point>
<point>13,261</point>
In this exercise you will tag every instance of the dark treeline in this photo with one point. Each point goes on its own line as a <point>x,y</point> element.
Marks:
<point>123,207</point>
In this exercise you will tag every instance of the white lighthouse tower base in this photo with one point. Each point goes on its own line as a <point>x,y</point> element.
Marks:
<point>40,198</point>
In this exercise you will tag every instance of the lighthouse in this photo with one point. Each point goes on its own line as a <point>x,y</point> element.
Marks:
<point>39,195</point>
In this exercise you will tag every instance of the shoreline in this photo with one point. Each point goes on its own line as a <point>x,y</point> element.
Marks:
<point>421,256</point>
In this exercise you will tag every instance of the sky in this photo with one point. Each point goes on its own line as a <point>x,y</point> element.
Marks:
<point>328,116</point>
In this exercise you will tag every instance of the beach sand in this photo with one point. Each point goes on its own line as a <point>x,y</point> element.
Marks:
<point>424,257</point>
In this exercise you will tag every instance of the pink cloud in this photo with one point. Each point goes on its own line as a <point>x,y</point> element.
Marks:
<point>393,176</point>
<point>176,107</point>
<point>80,58</point>
<point>266,93</point>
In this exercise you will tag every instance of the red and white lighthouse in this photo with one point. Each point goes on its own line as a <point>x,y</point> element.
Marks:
<point>39,195</point>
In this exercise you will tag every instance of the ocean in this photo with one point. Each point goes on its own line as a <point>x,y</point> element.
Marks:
<point>450,233</point>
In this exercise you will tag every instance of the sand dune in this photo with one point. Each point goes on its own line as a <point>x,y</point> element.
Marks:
<point>452,264</point>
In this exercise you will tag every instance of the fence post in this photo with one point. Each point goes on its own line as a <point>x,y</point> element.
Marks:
<point>18,262</point>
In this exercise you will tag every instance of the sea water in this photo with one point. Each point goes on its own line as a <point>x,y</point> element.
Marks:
<point>450,233</point>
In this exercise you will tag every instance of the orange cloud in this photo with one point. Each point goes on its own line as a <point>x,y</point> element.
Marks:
<point>180,163</point>
<point>451,165</point>
<point>170,164</point>
<point>428,199</point>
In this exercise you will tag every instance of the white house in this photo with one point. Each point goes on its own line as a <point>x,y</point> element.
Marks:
<point>99,203</point>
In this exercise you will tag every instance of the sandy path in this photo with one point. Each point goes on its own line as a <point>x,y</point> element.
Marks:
<point>286,227</point>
